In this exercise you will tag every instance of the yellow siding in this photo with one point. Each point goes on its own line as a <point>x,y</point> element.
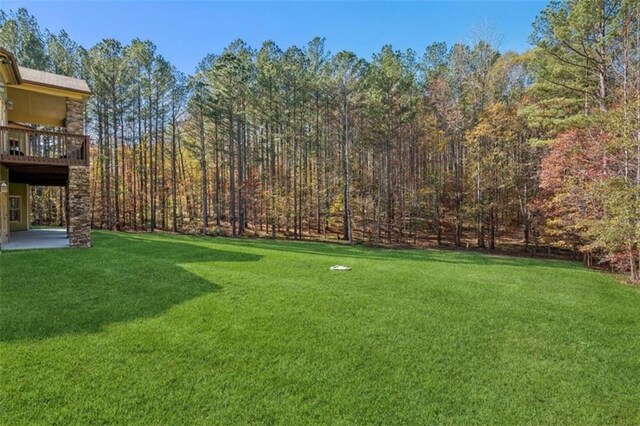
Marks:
<point>4,224</point>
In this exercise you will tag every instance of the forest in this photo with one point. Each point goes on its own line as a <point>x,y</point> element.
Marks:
<point>461,145</point>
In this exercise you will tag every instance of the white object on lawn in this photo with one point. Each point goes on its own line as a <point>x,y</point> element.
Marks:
<point>340,268</point>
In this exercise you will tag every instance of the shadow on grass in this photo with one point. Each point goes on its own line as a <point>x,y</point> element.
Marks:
<point>49,293</point>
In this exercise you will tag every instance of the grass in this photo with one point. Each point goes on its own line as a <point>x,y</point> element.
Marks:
<point>155,329</point>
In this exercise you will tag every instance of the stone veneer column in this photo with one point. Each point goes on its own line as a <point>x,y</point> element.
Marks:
<point>79,218</point>
<point>74,121</point>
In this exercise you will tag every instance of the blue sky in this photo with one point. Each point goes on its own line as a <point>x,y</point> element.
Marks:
<point>186,31</point>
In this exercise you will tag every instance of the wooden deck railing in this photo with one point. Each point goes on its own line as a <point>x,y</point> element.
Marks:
<point>38,147</point>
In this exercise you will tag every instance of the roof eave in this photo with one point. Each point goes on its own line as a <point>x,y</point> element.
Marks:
<point>13,65</point>
<point>52,86</point>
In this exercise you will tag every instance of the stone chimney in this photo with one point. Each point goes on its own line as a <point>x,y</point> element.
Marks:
<point>74,121</point>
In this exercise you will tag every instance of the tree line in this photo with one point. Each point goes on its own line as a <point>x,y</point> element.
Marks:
<point>456,145</point>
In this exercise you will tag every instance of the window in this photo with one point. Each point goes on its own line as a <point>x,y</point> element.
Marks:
<point>14,208</point>
<point>14,147</point>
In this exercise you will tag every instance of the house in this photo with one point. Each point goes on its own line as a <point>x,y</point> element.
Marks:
<point>42,142</point>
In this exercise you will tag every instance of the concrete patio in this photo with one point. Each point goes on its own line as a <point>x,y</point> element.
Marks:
<point>37,239</point>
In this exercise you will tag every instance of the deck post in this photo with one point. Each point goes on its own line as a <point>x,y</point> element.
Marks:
<point>79,219</point>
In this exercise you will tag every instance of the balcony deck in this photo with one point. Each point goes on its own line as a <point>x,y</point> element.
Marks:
<point>33,147</point>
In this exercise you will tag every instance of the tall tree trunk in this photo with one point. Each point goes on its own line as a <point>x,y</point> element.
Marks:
<point>347,234</point>
<point>203,173</point>
<point>232,180</point>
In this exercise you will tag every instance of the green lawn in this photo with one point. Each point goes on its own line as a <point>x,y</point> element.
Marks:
<point>153,329</point>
